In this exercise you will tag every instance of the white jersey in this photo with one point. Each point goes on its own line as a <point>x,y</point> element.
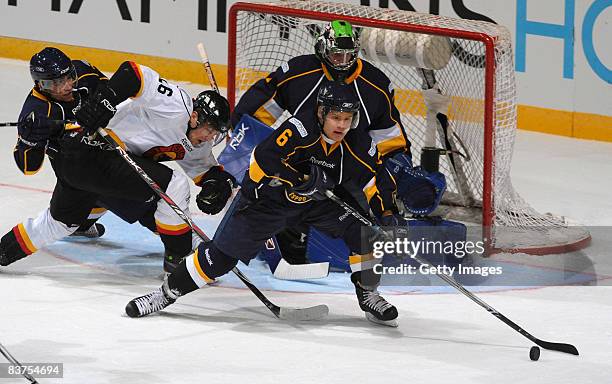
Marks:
<point>154,124</point>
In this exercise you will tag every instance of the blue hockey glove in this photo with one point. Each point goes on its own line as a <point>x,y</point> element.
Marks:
<point>419,190</point>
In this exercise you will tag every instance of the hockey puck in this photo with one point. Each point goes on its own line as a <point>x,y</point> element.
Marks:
<point>534,353</point>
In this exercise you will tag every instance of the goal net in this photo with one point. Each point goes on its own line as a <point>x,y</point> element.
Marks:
<point>454,87</point>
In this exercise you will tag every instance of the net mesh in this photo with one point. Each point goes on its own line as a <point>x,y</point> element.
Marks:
<point>264,41</point>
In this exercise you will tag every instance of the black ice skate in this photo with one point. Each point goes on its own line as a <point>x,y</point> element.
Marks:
<point>376,308</point>
<point>8,257</point>
<point>10,251</point>
<point>95,231</point>
<point>153,302</point>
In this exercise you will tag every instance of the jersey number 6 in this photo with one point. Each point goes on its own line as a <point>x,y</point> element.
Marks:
<point>283,138</point>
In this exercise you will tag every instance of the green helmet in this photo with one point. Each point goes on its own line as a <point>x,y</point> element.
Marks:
<point>338,45</point>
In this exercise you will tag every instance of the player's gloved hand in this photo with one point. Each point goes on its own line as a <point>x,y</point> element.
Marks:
<point>97,111</point>
<point>217,187</point>
<point>35,131</point>
<point>316,184</point>
<point>390,219</point>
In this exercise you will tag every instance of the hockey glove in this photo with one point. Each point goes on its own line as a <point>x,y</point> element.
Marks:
<point>97,111</point>
<point>419,190</point>
<point>35,131</point>
<point>217,187</point>
<point>315,186</point>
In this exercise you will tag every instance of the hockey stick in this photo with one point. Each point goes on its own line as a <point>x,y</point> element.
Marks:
<point>14,361</point>
<point>207,68</point>
<point>294,314</point>
<point>18,123</point>
<point>560,347</point>
<point>439,122</point>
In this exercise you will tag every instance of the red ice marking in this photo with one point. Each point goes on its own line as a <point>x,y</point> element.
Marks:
<point>25,188</point>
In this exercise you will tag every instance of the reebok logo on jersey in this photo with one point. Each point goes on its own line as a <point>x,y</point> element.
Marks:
<point>321,162</point>
<point>285,67</point>
<point>96,143</point>
<point>187,144</point>
<point>300,127</point>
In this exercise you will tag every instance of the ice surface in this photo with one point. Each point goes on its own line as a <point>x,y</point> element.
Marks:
<point>65,303</point>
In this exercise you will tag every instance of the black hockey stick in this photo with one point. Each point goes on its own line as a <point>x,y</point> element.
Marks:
<point>294,314</point>
<point>18,123</point>
<point>14,361</point>
<point>561,347</point>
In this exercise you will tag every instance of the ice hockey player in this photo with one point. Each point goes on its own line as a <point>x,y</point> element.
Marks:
<point>161,122</point>
<point>52,100</point>
<point>284,186</point>
<point>293,87</point>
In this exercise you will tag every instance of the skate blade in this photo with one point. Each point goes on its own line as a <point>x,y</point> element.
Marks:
<point>388,323</point>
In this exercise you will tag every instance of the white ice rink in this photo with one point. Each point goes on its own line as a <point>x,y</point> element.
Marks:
<point>65,303</point>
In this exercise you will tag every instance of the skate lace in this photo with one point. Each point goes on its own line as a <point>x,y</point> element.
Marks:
<point>153,302</point>
<point>374,301</point>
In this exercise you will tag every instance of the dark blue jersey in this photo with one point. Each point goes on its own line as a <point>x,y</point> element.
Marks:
<point>294,87</point>
<point>29,155</point>
<point>280,162</point>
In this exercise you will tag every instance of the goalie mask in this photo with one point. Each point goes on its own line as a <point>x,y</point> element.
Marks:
<point>51,69</point>
<point>338,45</point>
<point>337,96</point>
<point>212,108</point>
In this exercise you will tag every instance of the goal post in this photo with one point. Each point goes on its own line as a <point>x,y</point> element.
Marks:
<point>466,74</point>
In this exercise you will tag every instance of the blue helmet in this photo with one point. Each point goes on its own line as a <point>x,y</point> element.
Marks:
<point>339,96</point>
<point>50,65</point>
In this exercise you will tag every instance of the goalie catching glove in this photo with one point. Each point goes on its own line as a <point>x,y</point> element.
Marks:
<point>217,187</point>
<point>419,190</point>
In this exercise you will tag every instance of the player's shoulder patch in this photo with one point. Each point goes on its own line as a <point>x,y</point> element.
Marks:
<point>299,126</point>
<point>285,67</point>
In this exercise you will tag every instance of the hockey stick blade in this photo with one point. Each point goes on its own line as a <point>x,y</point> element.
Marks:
<point>559,347</point>
<point>286,271</point>
<point>303,314</point>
